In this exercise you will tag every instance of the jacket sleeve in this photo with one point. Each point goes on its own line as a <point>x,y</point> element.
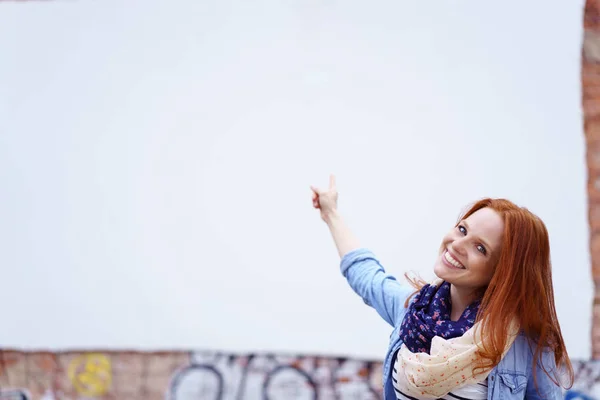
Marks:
<point>378,289</point>
<point>546,388</point>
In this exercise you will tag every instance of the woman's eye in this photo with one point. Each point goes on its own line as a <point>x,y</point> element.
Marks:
<point>481,249</point>
<point>462,229</point>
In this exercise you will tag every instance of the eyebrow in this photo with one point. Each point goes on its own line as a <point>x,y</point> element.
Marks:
<point>486,244</point>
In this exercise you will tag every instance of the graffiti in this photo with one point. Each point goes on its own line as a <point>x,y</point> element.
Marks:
<point>272,377</point>
<point>289,382</point>
<point>90,374</point>
<point>575,395</point>
<point>197,382</point>
<point>16,394</point>
<point>126,375</point>
<point>186,376</point>
<point>587,381</point>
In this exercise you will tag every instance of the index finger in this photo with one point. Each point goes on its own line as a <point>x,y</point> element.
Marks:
<point>331,181</point>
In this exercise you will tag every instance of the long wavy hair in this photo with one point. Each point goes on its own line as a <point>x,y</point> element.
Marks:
<point>521,288</point>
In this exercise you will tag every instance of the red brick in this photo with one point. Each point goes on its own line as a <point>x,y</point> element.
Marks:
<point>590,100</point>
<point>591,19</point>
<point>595,271</point>
<point>590,75</point>
<point>592,133</point>
<point>594,218</point>
<point>591,106</point>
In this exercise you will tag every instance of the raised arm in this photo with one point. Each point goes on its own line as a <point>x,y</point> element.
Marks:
<point>359,266</point>
<point>326,202</point>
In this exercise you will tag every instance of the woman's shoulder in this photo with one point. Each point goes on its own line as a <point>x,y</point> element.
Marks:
<point>519,358</point>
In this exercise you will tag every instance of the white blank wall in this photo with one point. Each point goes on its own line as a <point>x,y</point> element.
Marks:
<point>156,157</point>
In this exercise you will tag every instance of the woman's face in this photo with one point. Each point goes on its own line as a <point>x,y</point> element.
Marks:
<point>470,251</point>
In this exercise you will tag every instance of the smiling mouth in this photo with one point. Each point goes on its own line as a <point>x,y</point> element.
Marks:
<point>452,261</point>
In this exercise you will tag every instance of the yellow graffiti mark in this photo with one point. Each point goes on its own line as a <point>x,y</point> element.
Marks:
<point>91,374</point>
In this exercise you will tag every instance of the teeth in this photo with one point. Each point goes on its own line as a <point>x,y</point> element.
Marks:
<point>452,261</point>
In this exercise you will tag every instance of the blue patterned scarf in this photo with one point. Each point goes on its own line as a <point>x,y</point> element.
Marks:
<point>429,316</point>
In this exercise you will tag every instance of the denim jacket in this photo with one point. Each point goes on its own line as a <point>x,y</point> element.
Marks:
<point>512,378</point>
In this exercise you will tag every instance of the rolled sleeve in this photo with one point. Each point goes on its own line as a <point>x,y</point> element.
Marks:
<point>378,289</point>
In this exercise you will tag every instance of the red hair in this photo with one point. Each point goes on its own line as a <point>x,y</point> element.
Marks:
<point>521,288</point>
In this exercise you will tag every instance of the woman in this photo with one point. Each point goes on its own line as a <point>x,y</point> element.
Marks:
<point>486,329</point>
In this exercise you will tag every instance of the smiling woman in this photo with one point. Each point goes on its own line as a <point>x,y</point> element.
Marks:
<point>486,328</point>
<point>468,255</point>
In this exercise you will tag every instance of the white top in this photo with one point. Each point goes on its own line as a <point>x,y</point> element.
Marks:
<point>477,391</point>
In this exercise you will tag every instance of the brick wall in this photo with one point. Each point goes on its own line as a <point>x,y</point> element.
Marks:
<point>590,79</point>
<point>205,375</point>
